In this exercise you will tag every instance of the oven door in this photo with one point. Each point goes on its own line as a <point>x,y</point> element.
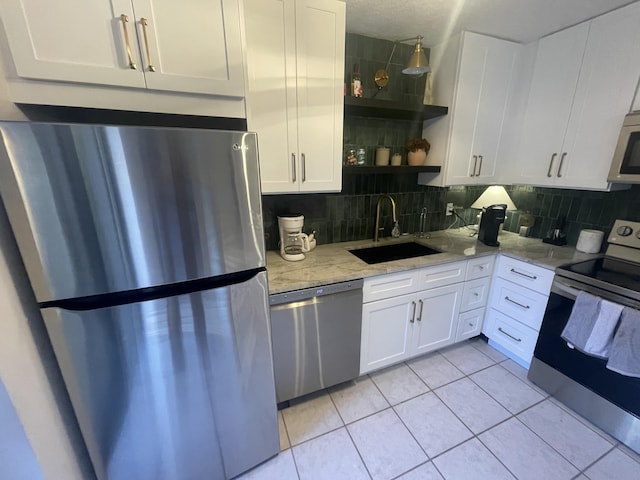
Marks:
<point>588,371</point>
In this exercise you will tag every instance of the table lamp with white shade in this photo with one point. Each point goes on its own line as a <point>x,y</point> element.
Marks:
<point>494,202</point>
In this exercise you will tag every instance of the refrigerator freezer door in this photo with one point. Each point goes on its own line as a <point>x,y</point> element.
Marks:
<point>180,387</point>
<point>100,209</point>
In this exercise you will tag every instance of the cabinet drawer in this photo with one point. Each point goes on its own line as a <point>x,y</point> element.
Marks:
<point>520,303</point>
<point>512,335</point>
<point>480,267</point>
<point>441,275</point>
<point>475,294</point>
<point>391,285</point>
<point>470,324</point>
<point>525,274</point>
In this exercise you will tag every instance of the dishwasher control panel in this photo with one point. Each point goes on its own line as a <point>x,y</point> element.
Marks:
<point>322,290</point>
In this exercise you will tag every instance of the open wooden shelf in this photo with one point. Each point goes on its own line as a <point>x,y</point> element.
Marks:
<point>363,169</point>
<point>371,107</point>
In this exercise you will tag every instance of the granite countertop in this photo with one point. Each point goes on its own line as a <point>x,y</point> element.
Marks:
<point>333,263</point>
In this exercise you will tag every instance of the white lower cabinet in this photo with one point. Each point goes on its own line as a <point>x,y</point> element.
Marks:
<point>386,331</point>
<point>396,327</point>
<point>518,299</point>
<point>437,318</point>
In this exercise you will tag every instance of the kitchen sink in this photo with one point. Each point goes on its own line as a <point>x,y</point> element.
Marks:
<point>396,251</point>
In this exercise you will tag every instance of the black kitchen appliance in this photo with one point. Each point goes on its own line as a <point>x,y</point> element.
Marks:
<point>490,221</point>
<point>582,382</point>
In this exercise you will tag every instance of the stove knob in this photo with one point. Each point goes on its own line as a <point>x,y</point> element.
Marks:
<point>624,231</point>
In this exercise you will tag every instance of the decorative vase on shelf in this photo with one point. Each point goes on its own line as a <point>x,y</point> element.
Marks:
<point>418,150</point>
<point>416,158</point>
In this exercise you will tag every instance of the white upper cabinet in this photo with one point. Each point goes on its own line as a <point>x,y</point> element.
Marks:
<point>583,84</point>
<point>295,65</point>
<point>190,47</point>
<point>474,76</point>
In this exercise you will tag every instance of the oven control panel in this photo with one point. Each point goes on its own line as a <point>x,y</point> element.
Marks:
<point>625,233</point>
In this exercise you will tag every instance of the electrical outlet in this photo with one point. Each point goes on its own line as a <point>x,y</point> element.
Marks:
<point>449,210</point>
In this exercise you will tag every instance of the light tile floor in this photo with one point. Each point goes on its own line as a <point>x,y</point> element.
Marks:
<point>466,412</point>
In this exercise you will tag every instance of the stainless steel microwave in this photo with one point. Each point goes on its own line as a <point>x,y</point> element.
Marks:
<point>625,166</point>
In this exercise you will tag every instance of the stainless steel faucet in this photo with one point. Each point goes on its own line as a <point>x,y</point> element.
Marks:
<point>393,211</point>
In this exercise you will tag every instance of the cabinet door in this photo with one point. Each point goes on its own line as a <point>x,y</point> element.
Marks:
<point>271,95</point>
<point>484,79</point>
<point>553,86</point>
<point>387,327</point>
<point>320,37</point>
<point>191,47</point>
<point>73,41</point>
<point>608,78</point>
<point>437,318</point>
<point>492,111</point>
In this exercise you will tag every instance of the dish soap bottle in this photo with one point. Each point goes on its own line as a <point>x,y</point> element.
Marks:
<point>395,233</point>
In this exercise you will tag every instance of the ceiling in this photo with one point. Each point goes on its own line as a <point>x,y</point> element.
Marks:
<point>519,20</point>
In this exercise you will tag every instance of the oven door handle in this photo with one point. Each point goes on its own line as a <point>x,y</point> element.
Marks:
<point>569,289</point>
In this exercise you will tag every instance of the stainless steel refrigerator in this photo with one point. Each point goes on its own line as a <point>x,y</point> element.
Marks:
<point>144,247</point>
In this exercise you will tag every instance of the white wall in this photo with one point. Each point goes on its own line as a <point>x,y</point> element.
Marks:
<point>27,366</point>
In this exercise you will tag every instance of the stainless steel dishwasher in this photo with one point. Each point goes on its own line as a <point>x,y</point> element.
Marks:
<point>316,337</point>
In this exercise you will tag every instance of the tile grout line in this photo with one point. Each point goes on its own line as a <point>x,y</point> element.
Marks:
<point>400,418</point>
<point>344,425</point>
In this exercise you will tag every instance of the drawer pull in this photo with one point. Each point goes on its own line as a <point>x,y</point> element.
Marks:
<point>413,315</point>
<point>421,307</point>
<point>532,277</point>
<point>510,336</point>
<point>526,307</point>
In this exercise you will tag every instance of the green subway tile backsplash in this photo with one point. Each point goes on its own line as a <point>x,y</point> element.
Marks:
<point>350,215</point>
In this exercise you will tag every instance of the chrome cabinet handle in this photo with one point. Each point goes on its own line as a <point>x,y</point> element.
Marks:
<point>509,335</point>
<point>124,19</point>
<point>532,277</point>
<point>479,166</point>
<point>475,164</point>
<point>293,164</point>
<point>413,315</point>
<point>304,168</point>
<point>421,307</point>
<point>145,23</point>
<point>526,307</point>
<point>559,174</point>
<point>551,165</point>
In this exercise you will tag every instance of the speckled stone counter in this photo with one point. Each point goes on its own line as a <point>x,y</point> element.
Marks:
<point>333,263</point>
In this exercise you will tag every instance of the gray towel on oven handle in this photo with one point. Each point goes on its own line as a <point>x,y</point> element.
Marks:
<point>599,341</point>
<point>625,348</point>
<point>581,321</point>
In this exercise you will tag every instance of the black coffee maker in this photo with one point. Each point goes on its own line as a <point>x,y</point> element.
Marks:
<point>490,221</point>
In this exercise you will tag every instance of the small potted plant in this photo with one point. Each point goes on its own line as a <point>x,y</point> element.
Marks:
<point>418,149</point>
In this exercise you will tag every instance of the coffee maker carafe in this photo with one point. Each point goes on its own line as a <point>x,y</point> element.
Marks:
<point>490,221</point>
<point>293,243</point>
